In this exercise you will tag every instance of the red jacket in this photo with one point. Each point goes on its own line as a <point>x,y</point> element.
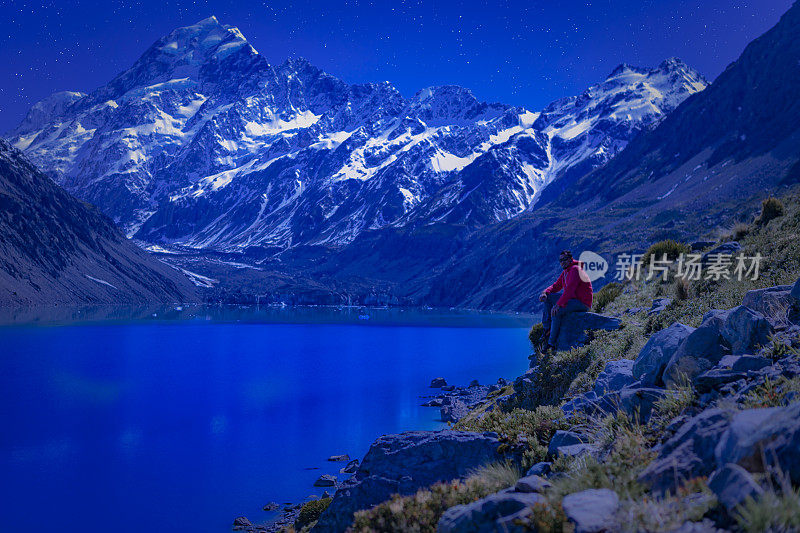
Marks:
<point>575,284</point>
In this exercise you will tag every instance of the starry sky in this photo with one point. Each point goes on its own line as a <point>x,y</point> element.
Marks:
<point>526,53</point>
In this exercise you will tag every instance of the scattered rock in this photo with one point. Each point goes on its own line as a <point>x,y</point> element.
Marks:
<point>448,388</point>
<point>436,402</point>
<point>701,245</point>
<point>715,378</point>
<point>578,450</point>
<point>563,438</point>
<point>540,469</point>
<point>755,435</point>
<point>437,383</point>
<point>659,306</point>
<point>574,328</point>
<point>638,403</point>
<point>772,302</point>
<point>653,358</point>
<point>701,350</point>
<point>532,484</point>
<point>728,248</point>
<point>241,522</point>
<point>325,494</point>
<point>496,512</point>
<point>745,329</point>
<point>454,412</point>
<point>732,484</point>
<point>689,453</point>
<point>592,511</point>
<point>271,506</point>
<point>795,293</point>
<point>474,383</point>
<point>615,376</point>
<point>338,458</point>
<point>325,480</point>
<point>404,463</point>
<point>351,467</point>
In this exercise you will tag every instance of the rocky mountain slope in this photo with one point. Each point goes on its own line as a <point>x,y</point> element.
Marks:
<point>203,143</point>
<point>705,167</point>
<point>56,249</point>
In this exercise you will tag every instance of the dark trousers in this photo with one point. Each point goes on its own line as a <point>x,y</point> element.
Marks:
<point>553,323</point>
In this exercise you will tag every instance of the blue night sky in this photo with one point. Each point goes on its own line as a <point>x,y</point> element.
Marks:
<point>524,53</point>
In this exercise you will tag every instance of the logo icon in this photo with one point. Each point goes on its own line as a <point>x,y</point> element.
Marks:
<point>593,264</point>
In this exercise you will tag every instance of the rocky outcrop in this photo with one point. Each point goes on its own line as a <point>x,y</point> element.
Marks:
<point>404,463</point>
<point>733,331</point>
<point>575,325</point>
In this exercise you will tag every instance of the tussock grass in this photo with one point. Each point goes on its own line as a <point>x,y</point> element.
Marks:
<point>775,511</point>
<point>421,511</point>
<point>606,295</point>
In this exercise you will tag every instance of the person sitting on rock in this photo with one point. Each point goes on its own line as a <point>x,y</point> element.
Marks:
<point>576,297</point>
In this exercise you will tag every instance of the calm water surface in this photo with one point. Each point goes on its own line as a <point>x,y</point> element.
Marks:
<point>129,422</point>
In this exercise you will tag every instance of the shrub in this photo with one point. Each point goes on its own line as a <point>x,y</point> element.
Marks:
<point>606,295</point>
<point>670,247</point>
<point>310,512</point>
<point>535,335</point>
<point>771,208</point>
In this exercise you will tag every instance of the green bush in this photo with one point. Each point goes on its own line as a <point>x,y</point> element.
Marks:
<point>771,208</point>
<point>606,295</point>
<point>310,512</point>
<point>535,335</point>
<point>670,247</point>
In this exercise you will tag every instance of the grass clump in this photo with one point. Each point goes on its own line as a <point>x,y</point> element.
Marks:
<point>310,512</point>
<point>606,295</point>
<point>771,208</point>
<point>537,427</point>
<point>678,398</point>
<point>771,393</point>
<point>669,247</point>
<point>421,511</point>
<point>773,511</point>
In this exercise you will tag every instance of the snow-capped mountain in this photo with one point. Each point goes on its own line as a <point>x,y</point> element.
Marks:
<point>203,143</point>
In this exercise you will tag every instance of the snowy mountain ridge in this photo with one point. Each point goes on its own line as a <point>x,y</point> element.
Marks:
<point>203,143</point>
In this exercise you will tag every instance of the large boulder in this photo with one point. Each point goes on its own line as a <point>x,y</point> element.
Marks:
<point>615,376</point>
<point>592,510</point>
<point>732,485</point>
<point>772,302</point>
<point>404,463</point>
<point>690,453</point>
<point>497,512</point>
<point>759,435</point>
<point>575,325</point>
<point>701,350</point>
<point>744,330</point>
<point>653,358</point>
<point>564,438</point>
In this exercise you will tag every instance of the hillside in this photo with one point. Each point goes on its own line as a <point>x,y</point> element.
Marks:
<point>57,250</point>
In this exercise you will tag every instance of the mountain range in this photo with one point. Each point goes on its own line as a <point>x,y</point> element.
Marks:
<point>202,143</point>
<point>284,183</point>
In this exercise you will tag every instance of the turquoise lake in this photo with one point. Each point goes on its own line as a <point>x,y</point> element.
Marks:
<point>136,420</point>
